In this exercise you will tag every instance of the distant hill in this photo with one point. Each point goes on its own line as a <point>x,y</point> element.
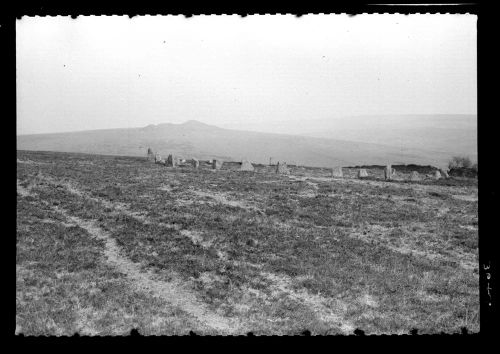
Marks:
<point>196,139</point>
<point>450,134</point>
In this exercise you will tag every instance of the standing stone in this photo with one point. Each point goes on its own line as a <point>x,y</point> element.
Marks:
<point>217,164</point>
<point>171,161</point>
<point>337,172</point>
<point>445,173</point>
<point>437,175</point>
<point>393,172</point>
<point>362,173</point>
<point>414,176</point>
<point>195,163</point>
<point>158,158</point>
<point>388,173</point>
<point>151,155</point>
<point>282,168</point>
<point>246,166</point>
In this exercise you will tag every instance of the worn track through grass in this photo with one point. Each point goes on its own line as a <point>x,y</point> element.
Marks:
<point>241,252</point>
<point>173,292</point>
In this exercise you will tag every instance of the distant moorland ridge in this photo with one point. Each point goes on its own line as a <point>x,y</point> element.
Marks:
<point>203,141</point>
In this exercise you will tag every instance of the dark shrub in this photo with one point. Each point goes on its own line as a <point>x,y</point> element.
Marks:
<point>460,162</point>
<point>463,172</point>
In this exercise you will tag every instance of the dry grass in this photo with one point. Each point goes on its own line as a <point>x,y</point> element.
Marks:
<point>107,244</point>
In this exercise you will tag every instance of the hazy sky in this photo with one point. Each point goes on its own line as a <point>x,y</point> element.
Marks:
<point>108,72</point>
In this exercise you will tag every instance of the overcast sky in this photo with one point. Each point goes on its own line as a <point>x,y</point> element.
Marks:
<point>108,72</point>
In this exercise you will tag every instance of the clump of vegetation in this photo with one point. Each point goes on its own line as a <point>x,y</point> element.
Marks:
<point>462,166</point>
<point>461,162</point>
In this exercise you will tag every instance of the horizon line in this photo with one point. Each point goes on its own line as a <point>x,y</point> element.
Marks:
<point>218,125</point>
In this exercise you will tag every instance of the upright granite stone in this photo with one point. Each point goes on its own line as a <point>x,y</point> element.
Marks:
<point>151,155</point>
<point>337,172</point>
<point>388,172</point>
<point>436,175</point>
<point>246,166</point>
<point>414,176</point>
<point>158,158</point>
<point>362,173</point>
<point>445,173</point>
<point>195,163</point>
<point>281,168</point>
<point>217,164</point>
<point>172,161</point>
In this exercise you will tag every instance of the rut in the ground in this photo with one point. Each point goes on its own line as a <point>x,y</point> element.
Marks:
<point>173,292</point>
<point>182,298</point>
<point>122,208</point>
<point>329,313</point>
<point>378,234</point>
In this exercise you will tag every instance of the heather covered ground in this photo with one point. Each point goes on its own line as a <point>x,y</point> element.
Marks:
<point>106,244</point>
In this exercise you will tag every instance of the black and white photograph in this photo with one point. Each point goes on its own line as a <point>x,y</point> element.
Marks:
<point>270,174</point>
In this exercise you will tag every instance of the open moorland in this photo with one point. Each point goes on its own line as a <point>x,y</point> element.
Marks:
<point>432,143</point>
<point>106,244</point>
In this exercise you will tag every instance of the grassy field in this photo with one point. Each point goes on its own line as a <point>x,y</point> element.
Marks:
<point>107,244</point>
